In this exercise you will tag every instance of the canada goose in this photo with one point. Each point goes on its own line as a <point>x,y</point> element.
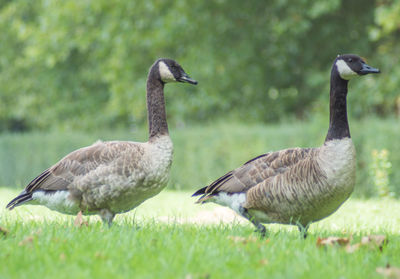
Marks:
<point>112,177</point>
<point>297,185</point>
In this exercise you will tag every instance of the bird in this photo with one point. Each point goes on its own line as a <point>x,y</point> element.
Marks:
<point>297,186</point>
<point>112,177</point>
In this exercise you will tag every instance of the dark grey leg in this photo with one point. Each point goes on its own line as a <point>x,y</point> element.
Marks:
<point>303,230</point>
<point>107,216</point>
<point>259,227</point>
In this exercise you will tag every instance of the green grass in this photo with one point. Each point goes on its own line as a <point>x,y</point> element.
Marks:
<point>204,153</point>
<point>166,238</point>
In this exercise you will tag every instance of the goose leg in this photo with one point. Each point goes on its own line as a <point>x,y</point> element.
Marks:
<point>303,230</point>
<point>106,216</point>
<point>259,227</point>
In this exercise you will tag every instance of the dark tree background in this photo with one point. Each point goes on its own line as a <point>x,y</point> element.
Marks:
<point>75,64</point>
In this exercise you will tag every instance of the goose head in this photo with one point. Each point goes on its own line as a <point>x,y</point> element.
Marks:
<point>170,71</point>
<point>351,65</point>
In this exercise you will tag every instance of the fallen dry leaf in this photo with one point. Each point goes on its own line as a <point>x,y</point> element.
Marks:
<point>332,240</point>
<point>99,255</point>
<point>26,240</point>
<point>62,257</point>
<point>263,262</point>
<point>389,272</point>
<point>352,248</point>
<point>374,241</point>
<point>79,221</point>
<point>3,231</point>
<point>245,240</point>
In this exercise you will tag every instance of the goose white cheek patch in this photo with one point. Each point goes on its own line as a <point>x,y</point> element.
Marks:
<point>344,70</point>
<point>165,73</point>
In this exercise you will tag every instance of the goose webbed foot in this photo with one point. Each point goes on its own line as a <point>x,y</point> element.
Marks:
<point>303,230</point>
<point>107,216</point>
<point>260,228</point>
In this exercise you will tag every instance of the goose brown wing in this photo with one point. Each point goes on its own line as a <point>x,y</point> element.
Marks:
<point>255,171</point>
<point>79,163</point>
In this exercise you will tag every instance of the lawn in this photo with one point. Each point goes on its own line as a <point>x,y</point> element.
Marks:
<point>170,237</point>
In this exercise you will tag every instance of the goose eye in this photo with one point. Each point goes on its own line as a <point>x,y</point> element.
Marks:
<point>350,60</point>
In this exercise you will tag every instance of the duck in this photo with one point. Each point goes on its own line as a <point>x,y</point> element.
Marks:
<point>297,186</point>
<point>112,177</point>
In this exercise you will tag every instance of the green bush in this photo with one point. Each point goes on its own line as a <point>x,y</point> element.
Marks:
<point>380,169</point>
<point>80,63</point>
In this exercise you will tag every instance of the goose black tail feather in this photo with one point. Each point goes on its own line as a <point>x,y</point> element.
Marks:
<point>21,198</point>
<point>212,189</point>
<point>201,191</point>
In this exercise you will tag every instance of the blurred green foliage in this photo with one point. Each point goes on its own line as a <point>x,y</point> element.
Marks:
<point>380,169</point>
<point>83,63</point>
<point>205,152</point>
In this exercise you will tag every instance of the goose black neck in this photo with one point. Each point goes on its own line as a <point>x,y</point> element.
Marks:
<point>338,123</point>
<point>156,105</point>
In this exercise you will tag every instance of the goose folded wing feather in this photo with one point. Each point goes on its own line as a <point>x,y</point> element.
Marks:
<point>81,163</point>
<point>258,170</point>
